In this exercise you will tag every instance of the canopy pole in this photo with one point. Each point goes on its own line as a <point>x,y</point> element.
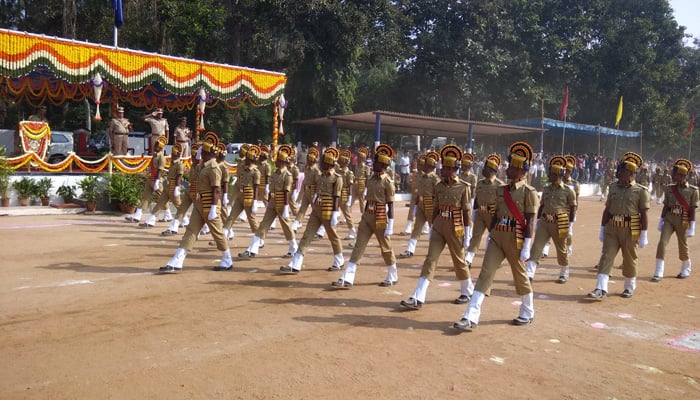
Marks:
<point>377,130</point>
<point>542,127</point>
<point>116,37</point>
<point>334,133</point>
<point>690,143</point>
<point>615,149</point>
<point>641,130</point>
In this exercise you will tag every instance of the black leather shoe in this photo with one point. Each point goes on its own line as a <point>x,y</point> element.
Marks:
<point>220,268</point>
<point>627,293</point>
<point>335,268</point>
<point>464,325</point>
<point>681,276</point>
<point>406,254</point>
<point>246,254</point>
<point>288,255</point>
<point>289,270</point>
<point>520,321</point>
<point>169,270</point>
<point>562,279</point>
<point>598,294</point>
<point>411,304</point>
<point>387,282</point>
<point>145,225</point>
<point>656,278</point>
<point>341,284</point>
<point>168,232</point>
<point>462,299</point>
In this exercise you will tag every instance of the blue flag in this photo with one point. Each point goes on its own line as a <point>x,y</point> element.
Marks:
<point>118,14</point>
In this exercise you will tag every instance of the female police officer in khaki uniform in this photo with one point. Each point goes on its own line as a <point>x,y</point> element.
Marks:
<point>556,215</point>
<point>484,204</point>
<point>450,219</point>
<point>423,200</point>
<point>377,219</point>
<point>623,227</point>
<point>677,216</point>
<point>511,237</point>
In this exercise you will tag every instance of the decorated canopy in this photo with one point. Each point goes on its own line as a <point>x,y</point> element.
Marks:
<point>36,67</point>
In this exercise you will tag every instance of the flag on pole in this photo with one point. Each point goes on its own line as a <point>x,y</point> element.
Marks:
<point>618,117</point>
<point>564,104</point>
<point>118,14</point>
<point>690,126</point>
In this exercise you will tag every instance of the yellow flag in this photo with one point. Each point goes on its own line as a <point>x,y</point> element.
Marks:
<point>618,117</point>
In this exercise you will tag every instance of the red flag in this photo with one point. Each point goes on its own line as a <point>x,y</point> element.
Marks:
<point>690,126</point>
<point>564,104</point>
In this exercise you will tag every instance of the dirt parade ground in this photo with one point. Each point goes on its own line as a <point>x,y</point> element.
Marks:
<point>84,315</point>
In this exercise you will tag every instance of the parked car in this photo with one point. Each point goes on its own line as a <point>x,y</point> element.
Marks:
<point>61,145</point>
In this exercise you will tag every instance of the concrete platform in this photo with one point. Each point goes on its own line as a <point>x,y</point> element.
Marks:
<point>61,209</point>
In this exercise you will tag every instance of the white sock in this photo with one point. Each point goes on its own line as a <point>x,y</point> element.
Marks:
<point>466,287</point>
<point>422,289</point>
<point>174,226</point>
<point>545,249</point>
<point>527,307</point>
<point>409,227</point>
<point>338,260</point>
<point>349,273</point>
<point>178,259</point>
<point>473,312</point>
<point>151,220</point>
<point>185,220</point>
<point>137,214</point>
<point>469,257</point>
<point>631,283</point>
<point>293,246</point>
<point>659,271</point>
<point>686,267</point>
<point>412,245</point>
<point>255,245</point>
<point>564,271</point>
<point>392,275</point>
<point>602,282</point>
<point>226,259</point>
<point>530,269</point>
<point>297,261</point>
<point>168,215</point>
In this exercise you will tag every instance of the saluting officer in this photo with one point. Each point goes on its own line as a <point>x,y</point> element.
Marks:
<point>362,173</point>
<point>247,183</point>
<point>324,212</point>
<point>188,199</point>
<point>450,218</point>
<point>377,219</point>
<point>346,192</point>
<point>277,205</point>
<point>484,204</point>
<point>171,194</point>
<point>677,216</point>
<point>423,200</point>
<point>153,185</point>
<point>555,220</point>
<point>206,211</point>
<point>511,237</point>
<point>623,227</point>
<point>311,176</point>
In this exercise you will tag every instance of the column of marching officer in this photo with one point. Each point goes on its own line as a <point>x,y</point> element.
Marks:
<point>455,207</point>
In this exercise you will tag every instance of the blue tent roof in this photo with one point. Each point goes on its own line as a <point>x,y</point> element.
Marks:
<point>557,126</point>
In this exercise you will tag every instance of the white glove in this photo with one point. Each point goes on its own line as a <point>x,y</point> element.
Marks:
<point>267,189</point>
<point>295,195</point>
<point>156,185</point>
<point>661,224</point>
<point>285,212</point>
<point>365,192</point>
<point>525,252</point>
<point>691,230</point>
<point>254,207</point>
<point>389,227</point>
<point>415,209</point>
<point>571,229</point>
<point>212,212</point>
<point>224,199</point>
<point>643,241</point>
<point>176,191</point>
<point>334,218</point>
<point>349,202</point>
<point>601,235</point>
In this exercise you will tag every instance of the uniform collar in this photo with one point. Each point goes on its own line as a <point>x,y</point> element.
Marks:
<point>519,184</point>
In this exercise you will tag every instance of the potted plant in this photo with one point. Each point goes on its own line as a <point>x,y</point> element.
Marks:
<point>67,192</point>
<point>25,188</point>
<point>43,188</point>
<point>5,173</point>
<point>126,190</point>
<point>90,192</point>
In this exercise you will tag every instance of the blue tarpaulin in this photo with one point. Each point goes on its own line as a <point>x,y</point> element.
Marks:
<point>555,126</point>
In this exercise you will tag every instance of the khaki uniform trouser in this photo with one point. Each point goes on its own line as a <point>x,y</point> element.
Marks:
<point>148,193</point>
<point>673,224</point>
<point>293,209</point>
<point>359,197</point>
<point>185,203</point>
<point>312,226</point>
<point>619,238</point>
<point>305,202</point>
<point>545,231</point>
<point>419,220</point>
<point>270,215</point>
<point>481,224</point>
<point>365,230</point>
<point>166,197</point>
<point>236,210</point>
<point>197,221</point>
<point>502,246</point>
<point>120,144</point>
<point>443,233</point>
<point>347,214</point>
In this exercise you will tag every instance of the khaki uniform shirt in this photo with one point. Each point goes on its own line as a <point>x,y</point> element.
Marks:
<point>295,175</point>
<point>157,164</point>
<point>380,189</point>
<point>557,198</point>
<point>209,177</point>
<point>643,178</point>
<point>573,185</point>
<point>176,169</point>
<point>250,175</point>
<point>687,191</point>
<point>265,171</point>
<point>470,178</point>
<point>453,193</point>
<point>119,126</point>
<point>627,200</point>
<point>485,193</point>
<point>425,186</point>
<point>330,183</point>
<point>524,196</point>
<point>348,181</point>
<point>281,181</point>
<point>182,134</point>
<point>159,126</point>
<point>311,177</point>
<point>225,175</point>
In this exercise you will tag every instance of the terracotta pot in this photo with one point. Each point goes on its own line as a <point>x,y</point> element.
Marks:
<point>90,205</point>
<point>23,201</point>
<point>126,209</point>
<point>68,199</point>
<point>45,201</point>
<point>5,201</point>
